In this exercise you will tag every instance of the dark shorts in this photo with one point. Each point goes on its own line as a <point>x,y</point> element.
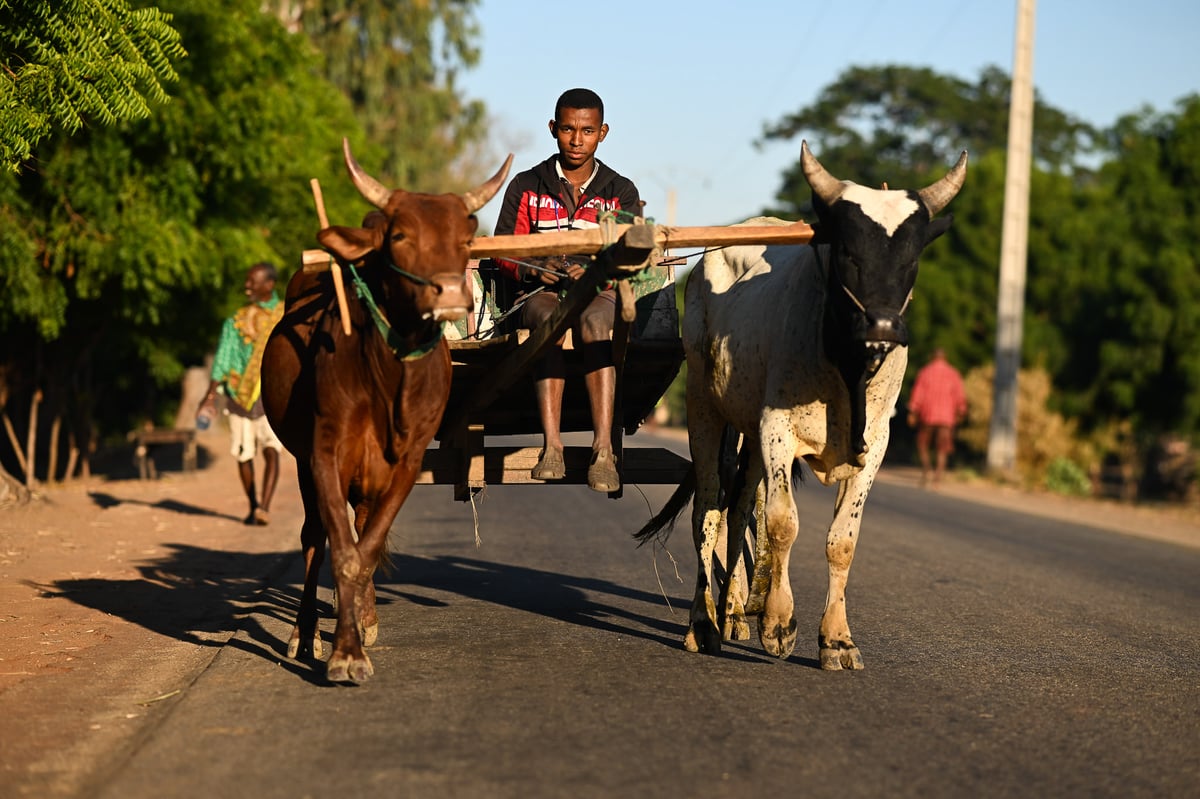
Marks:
<point>941,436</point>
<point>598,315</point>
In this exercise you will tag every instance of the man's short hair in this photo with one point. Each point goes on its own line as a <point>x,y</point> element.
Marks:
<point>266,268</point>
<point>579,98</point>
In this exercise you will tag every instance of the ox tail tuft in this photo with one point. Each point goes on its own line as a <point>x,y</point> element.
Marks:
<point>659,528</point>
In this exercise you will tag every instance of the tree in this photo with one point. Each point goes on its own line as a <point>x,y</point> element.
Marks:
<point>397,62</point>
<point>1138,315</point>
<point>900,125</point>
<point>123,247</point>
<point>66,63</point>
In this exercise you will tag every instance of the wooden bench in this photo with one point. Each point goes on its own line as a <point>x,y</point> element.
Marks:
<point>147,438</point>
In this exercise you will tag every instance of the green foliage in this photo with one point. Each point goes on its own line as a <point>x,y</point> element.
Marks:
<point>1147,365</point>
<point>124,247</point>
<point>397,62</point>
<point>902,125</point>
<point>1064,476</point>
<point>66,63</point>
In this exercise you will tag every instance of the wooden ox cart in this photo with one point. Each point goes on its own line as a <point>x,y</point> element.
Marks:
<point>492,393</point>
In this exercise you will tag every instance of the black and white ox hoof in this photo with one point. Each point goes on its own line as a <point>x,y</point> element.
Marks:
<point>778,639</point>
<point>702,636</point>
<point>840,655</point>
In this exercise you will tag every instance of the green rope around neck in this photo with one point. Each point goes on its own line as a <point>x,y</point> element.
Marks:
<point>395,341</point>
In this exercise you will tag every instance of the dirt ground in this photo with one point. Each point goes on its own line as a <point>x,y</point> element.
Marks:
<point>115,594</point>
<point>107,596</point>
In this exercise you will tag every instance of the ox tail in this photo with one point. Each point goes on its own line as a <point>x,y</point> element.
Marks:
<point>659,528</point>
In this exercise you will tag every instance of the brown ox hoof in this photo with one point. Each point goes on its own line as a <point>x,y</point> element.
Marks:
<point>343,668</point>
<point>778,640</point>
<point>313,649</point>
<point>841,655</point>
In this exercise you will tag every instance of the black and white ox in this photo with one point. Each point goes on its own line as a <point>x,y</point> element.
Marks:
<point>801,350</point>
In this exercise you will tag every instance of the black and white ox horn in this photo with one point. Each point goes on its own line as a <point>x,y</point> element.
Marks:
<point>938,195</point>
<point>378,195</point>
<point>935,196</point>
<point>823,184</point>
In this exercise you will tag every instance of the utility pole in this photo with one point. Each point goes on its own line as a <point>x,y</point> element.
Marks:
<point>1014,239</point>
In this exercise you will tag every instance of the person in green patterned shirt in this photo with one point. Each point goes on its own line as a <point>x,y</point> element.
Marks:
<point>236,373</point>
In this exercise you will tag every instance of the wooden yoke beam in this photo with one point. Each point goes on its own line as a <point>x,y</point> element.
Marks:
<point>590,241</point>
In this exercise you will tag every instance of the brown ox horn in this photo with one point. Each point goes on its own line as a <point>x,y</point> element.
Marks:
<point>938,195</point>
<point>478,197</point>
<point>823,184</point>
<point>375,192</point>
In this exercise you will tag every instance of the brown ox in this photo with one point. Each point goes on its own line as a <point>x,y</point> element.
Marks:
<point>358,411</point>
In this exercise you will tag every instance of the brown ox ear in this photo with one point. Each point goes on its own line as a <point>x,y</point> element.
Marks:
<point>351,243</point>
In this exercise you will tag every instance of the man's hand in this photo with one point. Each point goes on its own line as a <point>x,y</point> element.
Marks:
<point>553,270</point>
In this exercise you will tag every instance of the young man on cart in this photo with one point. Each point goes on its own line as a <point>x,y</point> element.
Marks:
<point>569,191</point>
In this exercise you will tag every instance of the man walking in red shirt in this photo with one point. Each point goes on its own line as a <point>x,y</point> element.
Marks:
<point>938,404</point>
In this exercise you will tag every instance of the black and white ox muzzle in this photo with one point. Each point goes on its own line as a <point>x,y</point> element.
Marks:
<point>876,327</point>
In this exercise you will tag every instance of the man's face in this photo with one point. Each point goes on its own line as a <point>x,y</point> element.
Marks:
<point>258,285</point>
<point>578,132</point>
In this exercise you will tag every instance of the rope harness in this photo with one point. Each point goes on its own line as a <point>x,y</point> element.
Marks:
<point>394,340</point>
<point>857,303</point>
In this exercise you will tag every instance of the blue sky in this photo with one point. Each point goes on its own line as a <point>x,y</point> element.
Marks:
<point>688,86</point>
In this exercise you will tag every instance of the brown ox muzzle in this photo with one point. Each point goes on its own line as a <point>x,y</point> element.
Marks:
<point>450,297</point>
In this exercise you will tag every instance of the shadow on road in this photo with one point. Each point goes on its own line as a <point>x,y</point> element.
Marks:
<point>106,501</point>
<point>203,596</point>
<point>192,594</point>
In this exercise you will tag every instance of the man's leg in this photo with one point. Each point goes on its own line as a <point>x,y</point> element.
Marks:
<point>595,334</point>
<point>944,443</point>
<point>549,382</point>
<point>242,447</point>
<point>246,473</point>
<point>601,385</point>
<point>923,433</point>
<point>271,447</point>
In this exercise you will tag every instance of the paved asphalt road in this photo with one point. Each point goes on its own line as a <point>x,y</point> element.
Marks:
<point>1006,655</point>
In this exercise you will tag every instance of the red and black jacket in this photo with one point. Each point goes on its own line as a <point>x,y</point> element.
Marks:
<point>538,201</point>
